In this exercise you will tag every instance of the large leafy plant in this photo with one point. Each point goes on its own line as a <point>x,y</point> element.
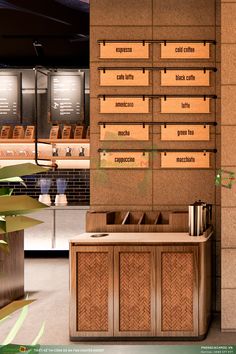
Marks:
<point>13,208</point>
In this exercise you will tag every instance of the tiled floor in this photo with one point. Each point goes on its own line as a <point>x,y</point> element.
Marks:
<point>47,281</point>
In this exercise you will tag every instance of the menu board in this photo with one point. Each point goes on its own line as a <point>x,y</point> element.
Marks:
<point>124,77</point>
<point>185,132</point>
<point>10,93</point>
<point>185,50</point>
<point>185,105</point>
<point>66,97</point>
<point>124,105</point>
<point>122,50</point>
<point>185,160</point>
<point>124,132</point>
<point>185,77</point>
<point>124,160</point>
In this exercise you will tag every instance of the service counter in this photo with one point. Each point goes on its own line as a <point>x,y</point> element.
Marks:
<point>140,285</point>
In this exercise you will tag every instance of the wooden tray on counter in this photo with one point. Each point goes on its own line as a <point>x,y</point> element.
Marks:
<point>137,221</point>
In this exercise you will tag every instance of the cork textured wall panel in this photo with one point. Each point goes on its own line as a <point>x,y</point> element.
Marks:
<point>178,187</point>
<point>121,13</point>
<point>229,105</point>
<point>228,15</point>
<point>121,187</point>
<point>158,188</point>
<point>192,13</point>
<point>228,198</point>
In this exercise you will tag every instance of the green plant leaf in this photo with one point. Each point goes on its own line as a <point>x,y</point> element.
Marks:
<point>14,180</point>
<point>17,326</point>
<point>4,319</point>
<point>39,335</point>
<point>20,170</point>
<point>4,246</point>
<point>16,223</point>
<point>20,204</point>
<point>3,226</point>
<point>6,191</point>
<point>14,306</point>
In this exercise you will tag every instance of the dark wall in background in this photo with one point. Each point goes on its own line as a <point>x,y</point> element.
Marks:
<point>78,188</point>
<point>28,100</point>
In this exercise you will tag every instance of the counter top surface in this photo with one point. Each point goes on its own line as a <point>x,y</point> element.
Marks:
<point>141,237</point>
<point>68,207</point>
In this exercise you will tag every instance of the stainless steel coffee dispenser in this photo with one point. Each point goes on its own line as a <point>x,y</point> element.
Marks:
<point>200,215</point>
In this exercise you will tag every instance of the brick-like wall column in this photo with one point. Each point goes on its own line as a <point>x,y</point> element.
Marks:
<point>228,156</point>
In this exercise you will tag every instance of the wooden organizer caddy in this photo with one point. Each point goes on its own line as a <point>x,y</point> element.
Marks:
<point>137,221</point>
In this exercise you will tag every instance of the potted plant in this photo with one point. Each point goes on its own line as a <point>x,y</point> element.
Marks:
<point>12,223</point>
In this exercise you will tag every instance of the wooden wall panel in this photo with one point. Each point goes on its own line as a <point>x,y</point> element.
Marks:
<point>228,200</point>
<point>134,286</point>
<point>12,269</point>
<point>118,13</point>
<point>115,187</point>
<point>91,288</point>
<point>189,13</point>
<point>162,188</point>
<point>182,187</point>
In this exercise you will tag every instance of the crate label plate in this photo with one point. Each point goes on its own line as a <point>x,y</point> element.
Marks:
<point>124,132</point>
<point>185,50</point>
<point>119,50</point>
<point>185,105</point>
<point>124,160</point>
<point>185,160</point>
<point>124,77</point>
<point>124,105</point>
<point>185,132</point>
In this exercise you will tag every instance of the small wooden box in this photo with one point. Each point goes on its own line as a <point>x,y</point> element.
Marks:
<point>6,132</point>
<point>18,132</point>
<point>79,132</point>
<point>55,132</point>
<point>88,133</point>
<point>66,132</point>
<point>29,132</point>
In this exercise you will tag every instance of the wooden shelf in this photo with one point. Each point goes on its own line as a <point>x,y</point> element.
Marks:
<point>70,158</point>
<point>56,141</point>
<point>46,158</point>
<point>16,158</point>
<point>15,141</point>
<point>65,141</point>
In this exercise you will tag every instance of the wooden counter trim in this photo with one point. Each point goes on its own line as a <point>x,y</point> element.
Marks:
<point>141,238</point>
<point>176,249</point>
<point>117,251</point>
<point>74,291</point>
<point>12,269</point>
<point>205,286</point>
<point>199,266</point>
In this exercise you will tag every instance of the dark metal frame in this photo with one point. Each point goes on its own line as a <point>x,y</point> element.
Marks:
<point>157,150</point>
<point>204,41</point>
<point>157,123</point>
<point>159,96</point>
<point>159,68</point>
<point>36,141</point>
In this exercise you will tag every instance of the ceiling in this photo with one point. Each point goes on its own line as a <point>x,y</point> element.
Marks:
<point>51,33</point>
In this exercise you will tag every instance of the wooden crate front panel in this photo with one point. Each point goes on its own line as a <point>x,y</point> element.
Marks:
<point>121,50</point>
<point>94,291</point>
<point>134,291</point>
<point>178,300</point>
